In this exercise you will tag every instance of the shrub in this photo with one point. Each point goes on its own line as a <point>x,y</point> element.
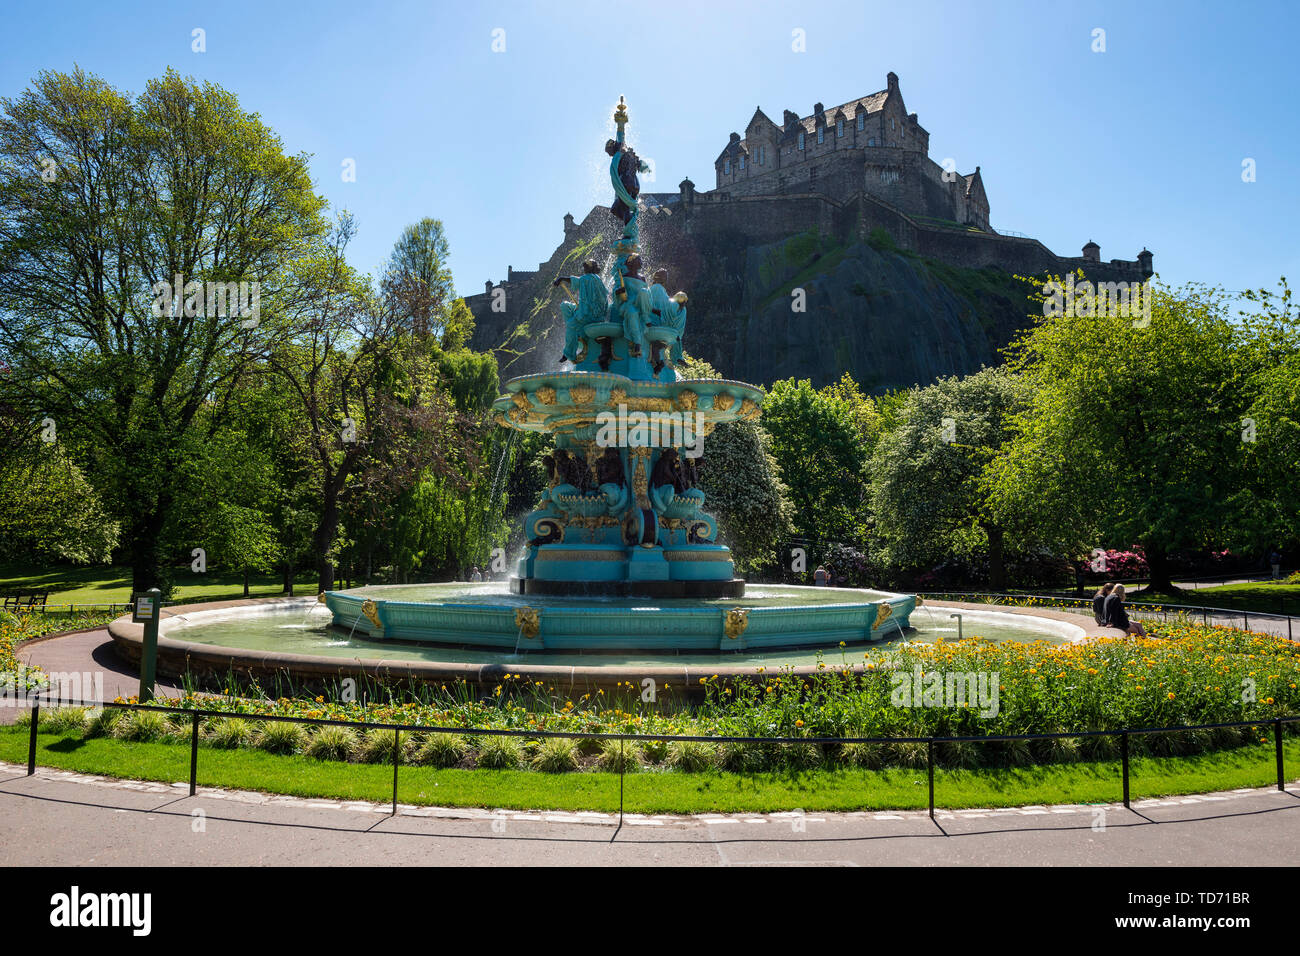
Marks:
<point>443,750</point>
<point>332,743</point>
<point>910,755</point>
<point>499,753</point>
<point>691,756</point>
<point>230,733</point>
<point>556,755</point>
<point>281,737</point>
<point>739,758</point>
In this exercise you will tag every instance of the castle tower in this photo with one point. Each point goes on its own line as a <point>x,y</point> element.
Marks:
<point>1144,261</point>
<point>1092,252</point>
<point>569,224</point>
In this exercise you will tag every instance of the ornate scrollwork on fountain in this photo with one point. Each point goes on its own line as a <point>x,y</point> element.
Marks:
<point>582,394</point>
<point>723,401</point>
<point>371,611</point>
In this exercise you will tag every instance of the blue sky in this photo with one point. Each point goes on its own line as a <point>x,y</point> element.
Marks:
<point>1139,145</point>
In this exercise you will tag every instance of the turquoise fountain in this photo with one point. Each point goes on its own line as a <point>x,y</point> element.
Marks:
<point>620,554</point>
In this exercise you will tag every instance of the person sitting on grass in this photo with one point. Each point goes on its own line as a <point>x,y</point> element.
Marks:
<point>1117,617</point>
<point>1099,603</point>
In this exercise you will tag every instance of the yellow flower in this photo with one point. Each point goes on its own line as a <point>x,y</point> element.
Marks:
<point>1170,695</point>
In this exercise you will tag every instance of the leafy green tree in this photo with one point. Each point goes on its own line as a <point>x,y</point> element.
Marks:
<point>49,511</point>
<point>928,492</point>
<point>817,444</point>
<point>1132,430</point>
<point>1271,426</point>
<point>102,201</point>
<point>742,485</point>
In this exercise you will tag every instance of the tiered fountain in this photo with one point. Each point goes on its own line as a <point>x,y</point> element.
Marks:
<point>623,520</point>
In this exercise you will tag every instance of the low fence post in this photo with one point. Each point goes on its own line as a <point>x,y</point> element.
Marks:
<point>194,752</point>
<point>397,757</point>
<point>1281,770</point>
<point>622,761</point>
<point>929,759</point>
<point>1124,761</point>
<point>31,746</point>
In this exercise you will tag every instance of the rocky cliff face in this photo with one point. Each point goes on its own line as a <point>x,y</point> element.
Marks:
<point>889,317</point>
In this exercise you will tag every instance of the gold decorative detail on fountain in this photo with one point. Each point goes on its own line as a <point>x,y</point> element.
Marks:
<point>882,614</point>
<point>640,481</point>
<point>686,401</point>
<point>371,610</point>
<point>723,401</point>
<point>529,621</point>
<point>521,400</point>
<point>499,418</point>
<point>620,113</point>
<point>546,395</point>
<point>617,396</point>
<point>748,409</point>
<point>320,598</point>
<point>919,602</point>
<point>518,415</point>
<point>737,621</point>
<point>582,394</point>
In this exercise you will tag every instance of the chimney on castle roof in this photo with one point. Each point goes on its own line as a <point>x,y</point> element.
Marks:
<point>487,286</point>
<point>818,110</point>
<point>891,79</point>
<point>791,118</point>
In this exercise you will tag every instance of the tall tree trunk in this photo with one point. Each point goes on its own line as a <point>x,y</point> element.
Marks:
<point>145,529</point>
<point>326,531</point>
<point>1161,574</point>
<point>245,582</point>
<point>287,577</point>
<point>997,567</point>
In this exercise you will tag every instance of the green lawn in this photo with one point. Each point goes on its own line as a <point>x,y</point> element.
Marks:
<point>1266,596</point>
<point>112,585</point>
<point>655,791</point>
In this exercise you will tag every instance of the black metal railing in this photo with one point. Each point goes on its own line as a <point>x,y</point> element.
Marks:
<point>1124,735</point>
<point>1142,609</point>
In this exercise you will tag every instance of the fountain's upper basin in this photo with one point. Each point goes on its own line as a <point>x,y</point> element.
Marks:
<point>767,617</point>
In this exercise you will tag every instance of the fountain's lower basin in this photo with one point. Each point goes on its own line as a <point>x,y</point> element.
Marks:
<point>770,617</point>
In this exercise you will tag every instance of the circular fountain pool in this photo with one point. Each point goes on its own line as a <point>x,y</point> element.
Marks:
<point>297,637</point>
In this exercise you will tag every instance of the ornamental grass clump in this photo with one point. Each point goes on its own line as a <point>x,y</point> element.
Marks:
<point>619,756</point>
<point>499,753</point>
<point>281,737</point>
<point>332,743</point>
<point>378,745</point>
<point>230,733</point>
<point>691,756</point>
<point>143,726</point>
<point>65,722</point>
<point>443,750</point>
<point>556,755</point>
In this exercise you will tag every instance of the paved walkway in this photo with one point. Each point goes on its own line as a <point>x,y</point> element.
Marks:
<point>125,823</point>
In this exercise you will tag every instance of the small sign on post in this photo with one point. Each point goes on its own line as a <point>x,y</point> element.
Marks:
<point>146,610</point>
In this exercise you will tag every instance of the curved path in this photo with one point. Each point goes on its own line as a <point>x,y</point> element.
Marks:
<point>126,823</point>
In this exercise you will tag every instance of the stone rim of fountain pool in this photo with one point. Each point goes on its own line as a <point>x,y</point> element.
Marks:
<point>176,657</point>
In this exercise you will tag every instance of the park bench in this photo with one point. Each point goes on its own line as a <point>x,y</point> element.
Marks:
<point>17,600</point>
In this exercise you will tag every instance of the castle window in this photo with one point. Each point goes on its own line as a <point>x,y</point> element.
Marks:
<point>801,140</point>
<point>762,155</point>
<point>821,134</point>
<point>839,127</point>
<point>891,123</point>
<point>872,141</point>
<point>862,120</point>
<point>742,164</point>
<point>726,167</point>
